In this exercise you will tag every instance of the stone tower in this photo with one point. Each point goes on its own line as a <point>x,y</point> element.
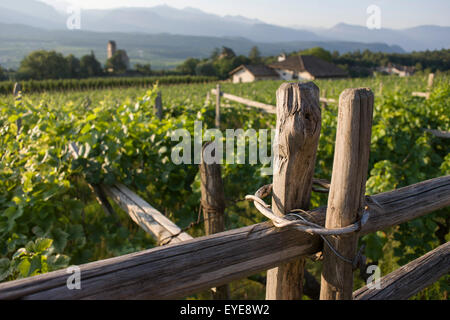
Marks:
<point>112,47</point>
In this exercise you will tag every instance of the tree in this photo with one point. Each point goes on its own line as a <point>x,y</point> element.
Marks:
<point>226,53</point>
<point>205,69</point>
<point>215,54</point>
<point>73,64</point>
<point>224,66</point>
<point>2,74</point>
<point>117,62</point>
<point>145,69</point>
<point>255,55</point>
<point>40,65</point>
<point>318,52</point>
<point>90,67</point>
<point>188,66</point>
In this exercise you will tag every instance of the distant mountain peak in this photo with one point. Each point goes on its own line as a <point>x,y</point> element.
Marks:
<point>191,21</point>
<point>192,9</point>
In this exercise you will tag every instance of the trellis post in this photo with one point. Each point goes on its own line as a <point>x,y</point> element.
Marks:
<point>346,198</point>
<point>295,148</point>
<point>18,97</point>
<point>430,81</point>
<point>158,106</point>
<point>213,206</point>
<point>218,95</point>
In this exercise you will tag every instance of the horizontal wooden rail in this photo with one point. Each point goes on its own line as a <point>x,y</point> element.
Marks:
<point>439,133</point>
<point>181,269</point>
<point>265,107</point>
<point>411,278</point>
<point>147,217</point>
<point>325,100</point>
<point>425,95</point>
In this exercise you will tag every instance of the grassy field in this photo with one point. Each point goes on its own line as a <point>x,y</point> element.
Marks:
<point>49,219</point>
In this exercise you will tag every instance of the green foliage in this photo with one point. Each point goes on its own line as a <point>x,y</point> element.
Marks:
<point>205,69</point>
<point>189,66</point>
<point>2,74</point>
<point>317,52</point>
<point>255,55</point>
<point>74,66</point>
<point>359,63</point>
<point>90,67</point>
<point>44,195</point>
<point>32,86</point>
<point>117,63</point>
<point>37,257</point>
<point>145,70</point>
<point>40,65</point>
<point>43,65</point>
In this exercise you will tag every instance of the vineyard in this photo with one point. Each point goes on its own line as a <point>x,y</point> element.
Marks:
<point>66,85</point>
<point>50,219</point>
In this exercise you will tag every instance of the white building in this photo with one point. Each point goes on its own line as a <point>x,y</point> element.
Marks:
<point>402,71</point>
<point>249,73</point>
<point>306,68</point>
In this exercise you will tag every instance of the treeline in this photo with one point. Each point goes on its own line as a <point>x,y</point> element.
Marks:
<point>363,63</point>
<point>33,86</point>
<point>220,63</point>
<point>358,64</point>
<point>44,65</point>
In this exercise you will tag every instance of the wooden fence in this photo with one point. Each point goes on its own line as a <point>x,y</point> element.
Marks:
<point>185,266</point>
<point>426,94</point>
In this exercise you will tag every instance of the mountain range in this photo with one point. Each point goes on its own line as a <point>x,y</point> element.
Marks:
<point>174,34</point>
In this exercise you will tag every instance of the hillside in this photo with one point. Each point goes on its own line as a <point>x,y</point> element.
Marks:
<point>162,50</point>
<point>195,22</point>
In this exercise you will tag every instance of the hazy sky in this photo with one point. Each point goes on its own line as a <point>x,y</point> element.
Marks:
<point>316,13</point>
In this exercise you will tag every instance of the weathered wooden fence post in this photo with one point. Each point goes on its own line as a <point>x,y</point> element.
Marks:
<point>346,198</point>
<point>324,95</point>
<point>430,81</point>
<point>17,89</point>
<point>213,206</point>
<point>158,106</point>
<point>219,93</point>
<point>295,147</point>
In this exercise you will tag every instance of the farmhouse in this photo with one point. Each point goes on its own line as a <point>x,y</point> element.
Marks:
<point>250,73</point>
<point>306,68</point>
<point>402,71</point>
<point>288,68</point>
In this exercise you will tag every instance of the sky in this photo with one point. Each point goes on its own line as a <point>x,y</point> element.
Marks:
<point>396,14</point>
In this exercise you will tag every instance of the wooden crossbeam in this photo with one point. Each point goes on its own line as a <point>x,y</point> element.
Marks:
<point>181,269</point>
<point>408,280</point>
<point>147,217</point>
<point>265,107</point>
<point>425,95</point>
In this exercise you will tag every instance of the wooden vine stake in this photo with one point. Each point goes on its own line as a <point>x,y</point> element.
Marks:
<point>218,95</point>
<point>430,81</point>
<point>295,147</point>
<point>158,106</point>
<point>17,92</point>
<point>346,199</point>
<point>213,204</point>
